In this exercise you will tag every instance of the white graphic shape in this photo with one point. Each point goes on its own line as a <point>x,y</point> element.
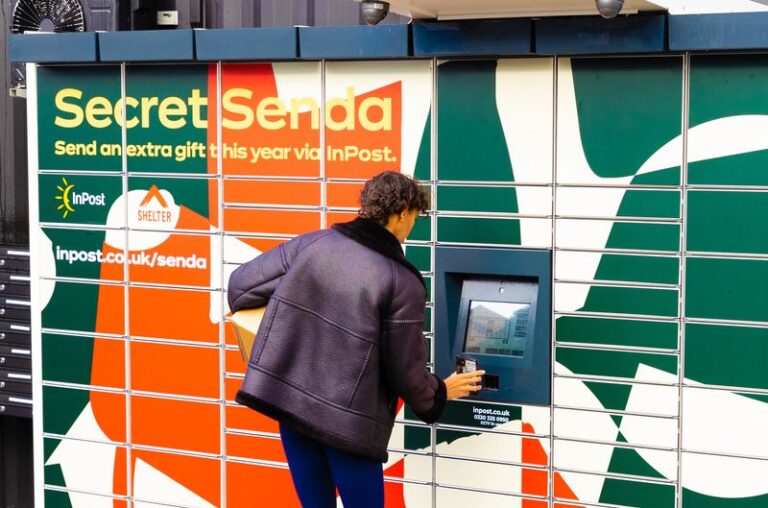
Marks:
<point>736,426</point>
<point>85,465</point>
<point>297,81</point>
<point>236,251</point>
<point>524,90</point>
<point>731,135</point>
<point>524,101</point>
<point>116,219</point>
<point>573,167</point>
<point>149,483</point>
<point>47,267</point>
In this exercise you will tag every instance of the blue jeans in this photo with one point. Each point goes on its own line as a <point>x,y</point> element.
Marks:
<point>317,470</point>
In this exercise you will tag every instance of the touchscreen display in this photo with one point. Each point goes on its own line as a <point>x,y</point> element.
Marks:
<point>497,328</point>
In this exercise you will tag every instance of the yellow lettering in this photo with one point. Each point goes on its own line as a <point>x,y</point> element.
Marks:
<point>196,102</point>
<point>130,102</point>
<point>146,108</point>
<point>243,110</point>
<point>314,111</point>
<point>173,107</point>
<point>98,112</point>
<point>271,107</point>
<point>385,105</point>
<point>65,107</point>
<point>348,122</point>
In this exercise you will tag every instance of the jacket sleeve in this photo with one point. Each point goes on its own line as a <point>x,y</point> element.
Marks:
<point>252,283</point>
<point>405,354</point>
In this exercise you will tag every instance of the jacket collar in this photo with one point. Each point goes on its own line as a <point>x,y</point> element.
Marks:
<point>369,233</point>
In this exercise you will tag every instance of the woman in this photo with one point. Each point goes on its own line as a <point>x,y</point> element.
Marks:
<point>340,341</point>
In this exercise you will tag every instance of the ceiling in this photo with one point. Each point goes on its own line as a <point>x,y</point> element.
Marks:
<point>468,9</point>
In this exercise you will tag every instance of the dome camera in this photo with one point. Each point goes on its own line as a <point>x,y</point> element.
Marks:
<point>374,11</point>
<point>609,8</point>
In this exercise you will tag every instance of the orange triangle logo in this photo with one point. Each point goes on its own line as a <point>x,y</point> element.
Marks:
<point>154,193</point>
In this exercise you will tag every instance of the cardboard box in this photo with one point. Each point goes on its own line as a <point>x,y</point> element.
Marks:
<point>246,323</point>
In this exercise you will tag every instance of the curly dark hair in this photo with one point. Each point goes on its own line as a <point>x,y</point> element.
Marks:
<point>391,193</point>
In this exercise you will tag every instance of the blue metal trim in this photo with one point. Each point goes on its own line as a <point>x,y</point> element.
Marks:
<point>51,48</point>
<point>147,46</point>
<point>472,38</point>
<point>718,31</point>
<point>579,36</point>
<point>273,43</point>
<point>482,38</point>
<point>354,42</point>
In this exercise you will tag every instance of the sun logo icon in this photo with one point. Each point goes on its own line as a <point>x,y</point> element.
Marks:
<point>66,204</point>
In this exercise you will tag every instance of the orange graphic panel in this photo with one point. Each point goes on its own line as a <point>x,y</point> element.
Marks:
<point>270,221</point>
<point>363,133</point>
<point>337,217</point>
<point>120,478</point>
<point>177,370</point>
<point>234,362</point>
<point>172,314</point>
<point>178,259</point>
<point>298,193</point>
<point>110,374</point>
<point>250,485</point>
<point>178,424</point>
<point>213,129</point>
<point>230,339</point>
<point>243,418</point>
<point>232,385</point>
<point>110,316</point>
<point>254,447</point>
<point>264,132</point>
<point>344,195</point>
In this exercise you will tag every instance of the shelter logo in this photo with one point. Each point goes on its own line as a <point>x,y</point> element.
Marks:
<point>154,207</point>
<point>69,198</point>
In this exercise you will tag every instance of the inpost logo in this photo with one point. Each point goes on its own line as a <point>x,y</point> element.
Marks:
<point>69,198</point>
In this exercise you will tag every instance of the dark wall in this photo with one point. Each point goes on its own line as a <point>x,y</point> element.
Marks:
<point>15,462</point>
<point>14,210</point>
<point>141,14</point>
<point>254,13</point>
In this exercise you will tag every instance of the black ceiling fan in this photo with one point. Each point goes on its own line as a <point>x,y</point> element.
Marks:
<point>48,16</point>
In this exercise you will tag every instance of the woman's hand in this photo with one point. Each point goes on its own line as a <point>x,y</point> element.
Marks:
<point>461,385</point>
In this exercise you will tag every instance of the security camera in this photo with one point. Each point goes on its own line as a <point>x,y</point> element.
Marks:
<point>374,11</point>
<point>609,8</point>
